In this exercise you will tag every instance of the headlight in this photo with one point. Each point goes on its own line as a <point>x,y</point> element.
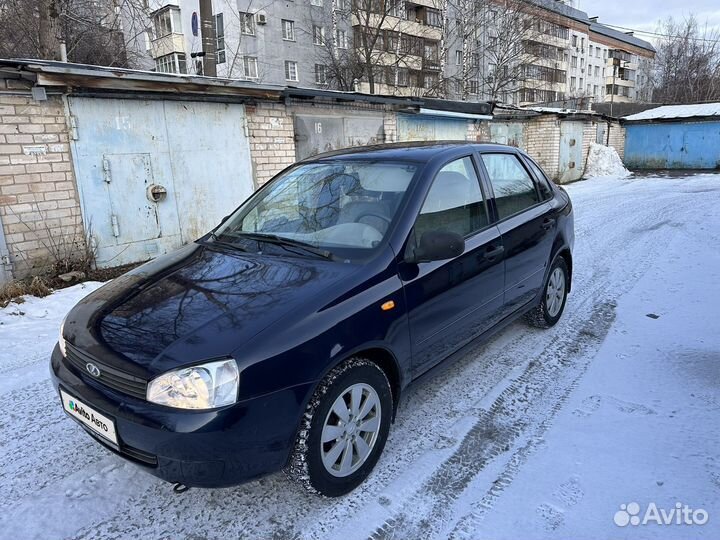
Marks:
<point>206,386</point>
<point>61,339</point>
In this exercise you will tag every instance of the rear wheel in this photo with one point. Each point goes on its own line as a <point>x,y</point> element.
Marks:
<point>344,429</point>
<point>551,307</point>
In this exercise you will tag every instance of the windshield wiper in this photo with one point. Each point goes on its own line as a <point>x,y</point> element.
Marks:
<point>282,241</point>
<point>230,245</point>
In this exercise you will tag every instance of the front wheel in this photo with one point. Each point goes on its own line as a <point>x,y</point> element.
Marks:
<point>551,307</point>
<point>344,429</point>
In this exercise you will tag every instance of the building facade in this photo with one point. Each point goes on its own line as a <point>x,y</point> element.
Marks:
<point>465,49</point>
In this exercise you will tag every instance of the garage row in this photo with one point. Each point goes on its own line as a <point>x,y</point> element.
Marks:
<point>153,161</point>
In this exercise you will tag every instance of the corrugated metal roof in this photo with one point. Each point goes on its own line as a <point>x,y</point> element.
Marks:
<point>669,112</point>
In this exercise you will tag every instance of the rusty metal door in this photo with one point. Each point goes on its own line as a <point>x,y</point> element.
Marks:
<point>570,163</point>
<point>317,133</point>
<point>153,175</point>
<point>430,128</point>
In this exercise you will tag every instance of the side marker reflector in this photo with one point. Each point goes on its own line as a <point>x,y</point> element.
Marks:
<point>387,306</point>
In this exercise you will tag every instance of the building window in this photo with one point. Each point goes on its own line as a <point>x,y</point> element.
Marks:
<point>291,72</point>
<point>595,90</point>
<point>458,57</point>
<point>573,62</point>
<point>341,37</point>
<point>433,18</point>
<point>572,83</point>
<point>288,30</point>
<point>318,35</point>
<point>148,41</point>
<point>597,71</point>
<point>320,74</point>
<point>167,22</point>
<point>582,43</point>
<point>219,38</point>
<point>473,86</point>
<point>247,23</point>
<point>574,40</point>
<point>582,63</point>
<point>171,63</point>
<point>581,84</point>
<point>250,67</point>
<point>591,50</point>
<point>402,77</point>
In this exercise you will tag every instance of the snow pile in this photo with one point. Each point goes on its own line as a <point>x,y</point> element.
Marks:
<point>604,161</point>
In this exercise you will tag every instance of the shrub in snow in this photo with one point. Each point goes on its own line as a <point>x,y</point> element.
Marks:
<point>604,161</point>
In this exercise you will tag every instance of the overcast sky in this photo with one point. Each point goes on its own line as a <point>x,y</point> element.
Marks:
<point>645,14</point>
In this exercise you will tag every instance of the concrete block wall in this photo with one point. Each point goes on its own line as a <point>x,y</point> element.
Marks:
<point>39,202</point>
<point>390,126</point>
<point>543,143</point>
<point>272,140</point>
<point>589,137</point>
<point>617,139</point>
<point>478,131</point>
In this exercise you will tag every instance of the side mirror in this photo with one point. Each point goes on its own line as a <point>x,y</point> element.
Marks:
<point>437,246</point>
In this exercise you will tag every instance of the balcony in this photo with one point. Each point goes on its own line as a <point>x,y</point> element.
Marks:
<point>395,24</point>
<point>171,43</point>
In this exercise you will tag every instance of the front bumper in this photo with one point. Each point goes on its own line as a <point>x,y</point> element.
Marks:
<point>216,448</point>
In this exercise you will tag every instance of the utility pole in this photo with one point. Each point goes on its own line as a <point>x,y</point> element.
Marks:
<point>209,41</point>
<point>616,61</point>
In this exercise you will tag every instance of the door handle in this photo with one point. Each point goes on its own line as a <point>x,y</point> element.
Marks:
<point>493,252</point>
<point>548,223</point>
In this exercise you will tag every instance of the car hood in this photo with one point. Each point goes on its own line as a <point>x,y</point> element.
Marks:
<point>195,304</point>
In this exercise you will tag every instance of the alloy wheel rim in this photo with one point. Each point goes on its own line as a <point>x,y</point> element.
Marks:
<point>350,430</point>
<point>555,293</point>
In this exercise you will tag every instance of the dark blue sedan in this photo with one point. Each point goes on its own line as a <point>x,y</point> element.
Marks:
<point>284,338</point>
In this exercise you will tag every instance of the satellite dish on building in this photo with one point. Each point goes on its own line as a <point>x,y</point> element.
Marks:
<point>195,23</point>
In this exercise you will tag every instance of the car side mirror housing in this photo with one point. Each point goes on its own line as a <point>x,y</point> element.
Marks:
<point>437,246</point>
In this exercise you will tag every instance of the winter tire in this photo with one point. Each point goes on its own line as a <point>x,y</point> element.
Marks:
<point>550,309</point>
<point>343,430</point>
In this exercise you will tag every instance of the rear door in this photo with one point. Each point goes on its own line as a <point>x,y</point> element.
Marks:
<point>526,223</point>
<point>452,301</point>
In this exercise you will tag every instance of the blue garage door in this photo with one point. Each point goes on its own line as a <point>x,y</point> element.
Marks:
<point>681,145</point>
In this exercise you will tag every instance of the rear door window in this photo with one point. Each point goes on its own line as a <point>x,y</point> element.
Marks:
<point>455,202</point>
<point>514,188</point>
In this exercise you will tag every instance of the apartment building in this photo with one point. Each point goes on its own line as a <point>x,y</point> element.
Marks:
<point>565,53</point>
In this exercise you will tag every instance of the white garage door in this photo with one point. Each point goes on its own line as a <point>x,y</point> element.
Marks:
<point>154,175</point>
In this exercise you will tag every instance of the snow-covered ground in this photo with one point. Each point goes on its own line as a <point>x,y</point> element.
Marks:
<point>535,434</point>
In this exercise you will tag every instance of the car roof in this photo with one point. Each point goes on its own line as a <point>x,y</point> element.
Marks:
<point>407,151</point>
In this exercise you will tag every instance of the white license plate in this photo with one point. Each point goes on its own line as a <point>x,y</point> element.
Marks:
<point>99,423</point>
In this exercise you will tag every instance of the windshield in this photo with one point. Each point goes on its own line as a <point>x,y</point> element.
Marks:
<point>344,207</point>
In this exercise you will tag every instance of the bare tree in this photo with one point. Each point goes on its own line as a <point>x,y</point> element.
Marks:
<point>93,32</point>
<point>514,43</point>
<point>383,49</point>
<point>687,63</point>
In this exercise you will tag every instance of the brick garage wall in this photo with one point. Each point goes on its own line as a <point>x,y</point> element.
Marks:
<point>390,126</point>
<point>543,143</point>
<point>589,137</point>
<point>478,131</point>
<point>38,198</point>
<point>617,138</point>
<point>272,140</point>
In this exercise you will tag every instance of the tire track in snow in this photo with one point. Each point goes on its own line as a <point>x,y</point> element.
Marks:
<point>428,512</point>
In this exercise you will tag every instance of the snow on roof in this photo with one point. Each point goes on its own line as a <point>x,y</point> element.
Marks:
<point>667,112</point>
